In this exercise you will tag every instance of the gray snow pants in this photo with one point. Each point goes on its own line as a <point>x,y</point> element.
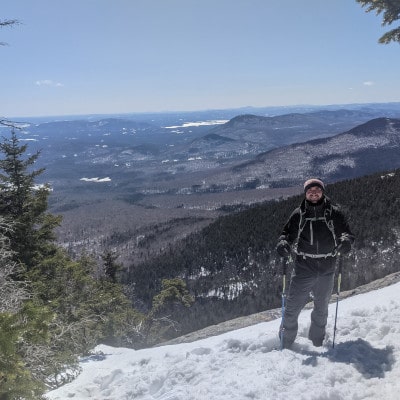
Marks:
<point>310,275</point>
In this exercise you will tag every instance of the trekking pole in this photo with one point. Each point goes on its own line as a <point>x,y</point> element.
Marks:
<point>340,262</point>
<point>284,269</point>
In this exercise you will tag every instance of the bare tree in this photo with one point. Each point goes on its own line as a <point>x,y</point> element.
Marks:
<point>5,23</point>
<point>12,293</point>
<point>8,22</point>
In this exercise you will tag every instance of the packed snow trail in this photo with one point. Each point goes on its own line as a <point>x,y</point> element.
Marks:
<point>247,364</point>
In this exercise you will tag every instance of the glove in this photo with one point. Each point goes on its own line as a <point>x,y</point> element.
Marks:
<point>283,248</point>
<point>344,246</point>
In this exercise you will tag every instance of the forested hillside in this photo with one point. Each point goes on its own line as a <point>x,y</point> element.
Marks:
<point>231,266</point>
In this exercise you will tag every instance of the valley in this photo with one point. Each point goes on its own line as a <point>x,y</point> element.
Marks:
<point>98,222</point>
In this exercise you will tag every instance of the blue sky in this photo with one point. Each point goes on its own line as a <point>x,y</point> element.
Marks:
<point>118,56</point>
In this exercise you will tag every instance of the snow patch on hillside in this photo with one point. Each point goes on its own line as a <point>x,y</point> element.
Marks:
<point>96,180</point>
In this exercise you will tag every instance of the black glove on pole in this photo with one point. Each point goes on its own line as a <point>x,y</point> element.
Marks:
<point>344,247</point>
<point>283,249</point>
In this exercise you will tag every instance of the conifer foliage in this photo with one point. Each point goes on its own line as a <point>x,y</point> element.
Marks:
<point>390,10</point>
<point>25,203</point>
<point>52,309</point>
<point>22,329</point>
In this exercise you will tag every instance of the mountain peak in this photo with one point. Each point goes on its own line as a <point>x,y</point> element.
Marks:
<point>244,119</point>
<point>376,125</point>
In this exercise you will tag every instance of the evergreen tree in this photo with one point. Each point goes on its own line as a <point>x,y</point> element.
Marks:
<point>25,203</point>
<point>23,329</point>
<point>391,12</point>
<point>110,266</point>
<point>172,297</point>
<point>86,311</point>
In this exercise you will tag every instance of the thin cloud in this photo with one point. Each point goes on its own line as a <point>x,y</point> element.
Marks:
<point>368,83</point>
<point>48,82</point>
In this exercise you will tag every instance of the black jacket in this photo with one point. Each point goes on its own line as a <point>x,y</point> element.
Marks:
<point>316,230</point>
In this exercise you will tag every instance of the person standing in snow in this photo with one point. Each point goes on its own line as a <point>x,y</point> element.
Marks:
<point>317,232</point>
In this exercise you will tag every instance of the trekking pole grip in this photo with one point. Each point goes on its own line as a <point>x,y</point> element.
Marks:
<point>340,268</point>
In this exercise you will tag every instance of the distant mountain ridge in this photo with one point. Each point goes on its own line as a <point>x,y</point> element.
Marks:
<point>370,147</point>
<point>247,152</point>
<point>143,152</point>
<point>251,134</point>
<point>294,127</point>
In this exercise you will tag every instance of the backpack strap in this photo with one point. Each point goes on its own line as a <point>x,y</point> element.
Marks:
<point>302,222</point>
<point>329,223</point>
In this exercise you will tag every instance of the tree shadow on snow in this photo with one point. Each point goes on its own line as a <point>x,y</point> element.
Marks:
<point>370,362</point>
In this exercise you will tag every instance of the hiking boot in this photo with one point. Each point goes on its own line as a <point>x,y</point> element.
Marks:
<point>287,344</point>
<point>317,342</point>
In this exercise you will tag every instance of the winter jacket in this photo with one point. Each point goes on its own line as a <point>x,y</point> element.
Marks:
<point>316,230</point>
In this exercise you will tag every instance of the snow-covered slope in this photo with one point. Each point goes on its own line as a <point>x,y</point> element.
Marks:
<point>245,364</point>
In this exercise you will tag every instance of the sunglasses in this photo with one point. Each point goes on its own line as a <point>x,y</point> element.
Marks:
<point>314,191</point>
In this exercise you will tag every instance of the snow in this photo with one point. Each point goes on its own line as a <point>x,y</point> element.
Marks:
<point>247,363</point>
<point>199,123</point>
<point>97,180</point>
